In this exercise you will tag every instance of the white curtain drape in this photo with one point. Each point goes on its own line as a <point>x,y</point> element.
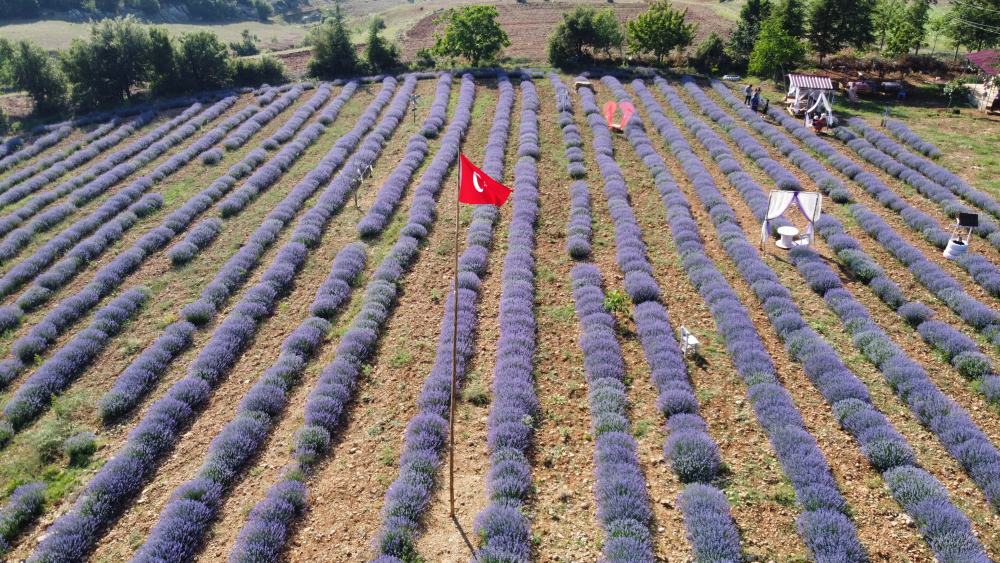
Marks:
<point>809,203</point>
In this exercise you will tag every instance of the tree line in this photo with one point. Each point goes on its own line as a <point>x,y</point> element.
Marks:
<point>770,34</point>
<point>122,58</point>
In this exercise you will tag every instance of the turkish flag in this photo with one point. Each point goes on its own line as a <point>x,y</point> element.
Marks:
<point>478,188</point>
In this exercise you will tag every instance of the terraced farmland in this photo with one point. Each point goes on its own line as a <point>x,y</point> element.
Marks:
<point>228,333</point>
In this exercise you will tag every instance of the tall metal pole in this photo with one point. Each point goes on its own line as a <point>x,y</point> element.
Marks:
<point>454,352</point>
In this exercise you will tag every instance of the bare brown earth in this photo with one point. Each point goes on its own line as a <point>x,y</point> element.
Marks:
<point>528,25</point>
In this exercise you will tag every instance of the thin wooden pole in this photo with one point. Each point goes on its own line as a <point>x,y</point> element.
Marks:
<point>454,354</point>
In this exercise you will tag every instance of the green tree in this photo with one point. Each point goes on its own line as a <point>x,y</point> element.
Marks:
<point>204,61</point>
<point>659,30</point>
<point>259,70</point>
<point>31,69</point>
<point>974,24</point>
<point>775,47</point>
<point>107,6</point>
<point>608,34</point>
<point>885,17</point>
<point>711,53</point>
<point>264,9</point>
<point>937,27</point>
<point>247,47</point>
<point>471,32</point>
<point>164,76</point>
<point>583,33</point>
<point>381,55</point>
<point>743,37</point>
<point>109,66</point>
<point>792,15</point>
<point>333,54</point>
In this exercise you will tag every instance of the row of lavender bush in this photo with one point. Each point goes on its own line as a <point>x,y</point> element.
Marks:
<point>107,278</point>
<point>235,272</point>
<point>59,156</point>
<point>24,505</point>
<point>70,536</point>
<point>751,192</point>
<point>96,172</point>
<point>502,529</point>
<point>139,377</point>
<point>945,418</point>
<point>102,172</point>
<point>959,349</point>
<point>823,523</point>
<point>693,455</point>
<point>264,534</point>
<point>920,222</point>
<point>203,233</point>
<point>191,508</point>
<point>391,191</point>
<point>933,191</point>
<point>623,505</point>
<point>828,184</point>
<point>53,376</point>
<point>903,133</point>
<point>578,229</point>
<point>76,160</point>
<point>427,432</point>
<point>242,134</point>
<point>109,228</point>
<point>18,238</point>
<point>46,141</point>
<point>947,530</point>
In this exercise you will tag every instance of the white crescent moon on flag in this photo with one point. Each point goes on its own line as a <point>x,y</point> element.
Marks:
<point>475,182</point>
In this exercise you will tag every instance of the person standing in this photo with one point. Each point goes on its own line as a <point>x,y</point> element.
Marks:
<point>755,102</point>
<point>747,94</point>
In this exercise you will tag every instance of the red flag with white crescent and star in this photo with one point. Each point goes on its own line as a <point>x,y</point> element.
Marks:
<point>478,188</point>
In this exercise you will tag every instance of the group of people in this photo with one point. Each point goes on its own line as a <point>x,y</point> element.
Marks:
<point>753,98</point>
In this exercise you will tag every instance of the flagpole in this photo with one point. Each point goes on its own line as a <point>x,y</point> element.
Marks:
<point>454,351</point>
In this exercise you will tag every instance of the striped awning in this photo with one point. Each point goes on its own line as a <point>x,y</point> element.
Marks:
<point>810,81</point>
<point>986,61</point>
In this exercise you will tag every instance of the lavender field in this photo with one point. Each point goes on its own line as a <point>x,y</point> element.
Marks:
<point>227,332</point>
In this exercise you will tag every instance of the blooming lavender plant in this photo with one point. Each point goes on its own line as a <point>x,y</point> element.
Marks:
<point>121,478</point>
<point>239,439</point>
<point>578,229</point>
<point>881,444</point>
<point>54,375</point>
<point>391,191</point>
<point>20,237</point>
<point>24,505</point>
<point>12,193</point>
<point>823,524</point>
<point>903,133</point>
<point>242,134</point>
<point>264,534</point>
<point>46,141</point>
<point>823,180</point>
<point>503,530</point>
<point>406,499</point>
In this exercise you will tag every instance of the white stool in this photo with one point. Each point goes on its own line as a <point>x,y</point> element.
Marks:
<point>788,234</point>
<point>688,342</point>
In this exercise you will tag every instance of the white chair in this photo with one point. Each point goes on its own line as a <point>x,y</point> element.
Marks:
<point>688,342</point>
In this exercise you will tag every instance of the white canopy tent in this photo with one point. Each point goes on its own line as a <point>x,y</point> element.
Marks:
<point>810,94</point>
<point>778,201</point>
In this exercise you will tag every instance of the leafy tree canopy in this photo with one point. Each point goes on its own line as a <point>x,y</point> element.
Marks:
<point>583,33</point>
<point>333,53</point>
<point>204,61</point>
<point>471,32</point>
<point>111,64</point>
<point>774,48</point>
<point>659,30</point>
<point>381,55</point>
